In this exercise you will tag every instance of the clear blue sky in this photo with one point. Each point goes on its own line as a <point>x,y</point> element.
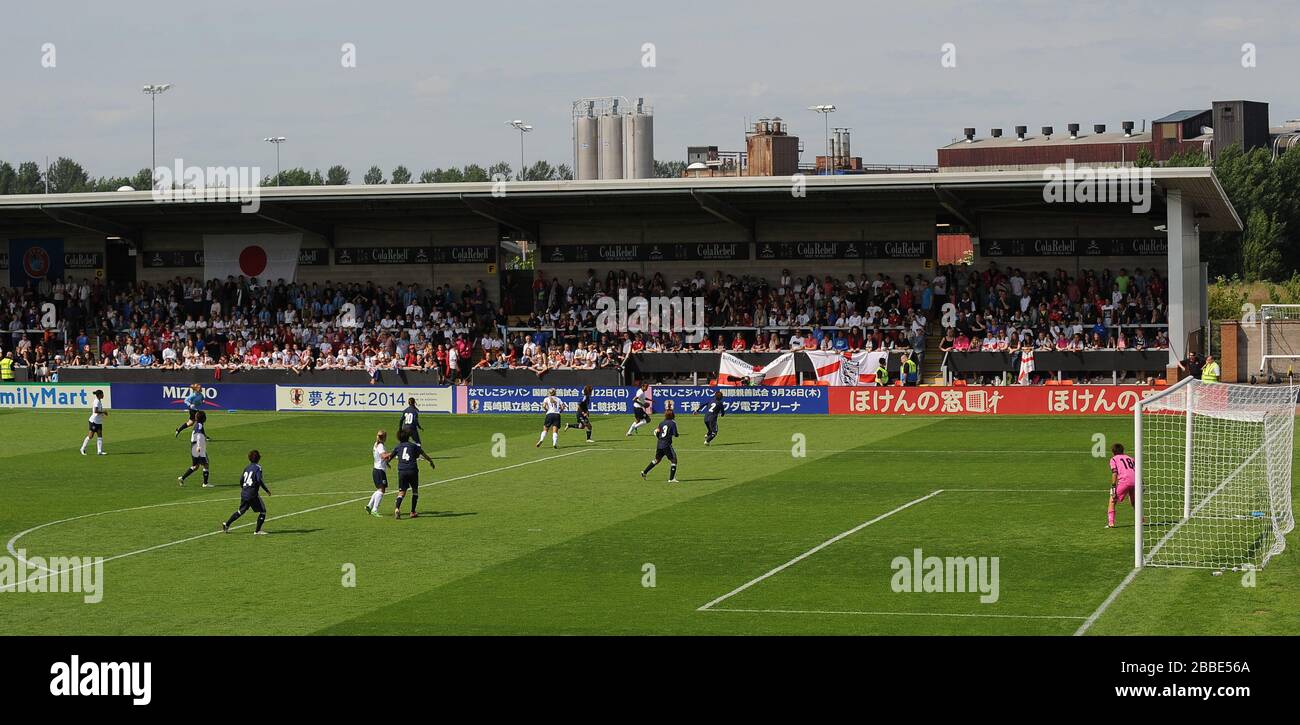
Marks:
<point>435,81</point>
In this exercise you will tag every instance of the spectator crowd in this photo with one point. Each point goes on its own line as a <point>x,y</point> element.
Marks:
<point>243,323</point>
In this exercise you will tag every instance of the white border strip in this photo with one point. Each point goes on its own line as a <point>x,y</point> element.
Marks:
<point>816,549</point>
<point>899,614</point>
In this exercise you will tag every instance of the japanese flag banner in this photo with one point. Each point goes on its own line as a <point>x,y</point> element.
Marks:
<point>268,257</point>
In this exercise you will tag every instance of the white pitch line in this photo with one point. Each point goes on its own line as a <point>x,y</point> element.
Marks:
<point>1023,490</point>
<point>13,540</point>
<point>1092,618</point>
<point>861,451</point>
<point>816,549</point>
<point>897,614</point>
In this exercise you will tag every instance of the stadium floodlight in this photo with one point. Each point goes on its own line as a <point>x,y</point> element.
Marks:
<point>1213,483</point>
<point>523,128</point>
<point>826,109</point>
<point>277,140</point>
<point>153,90</point>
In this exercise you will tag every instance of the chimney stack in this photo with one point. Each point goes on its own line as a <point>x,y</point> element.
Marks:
<point>970,134</point>
<point>1020,132</point>
<point>1128,128</point>
<point>1073,129</point>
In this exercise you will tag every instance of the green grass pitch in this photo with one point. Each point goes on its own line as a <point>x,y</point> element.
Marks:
<point>563,542</point>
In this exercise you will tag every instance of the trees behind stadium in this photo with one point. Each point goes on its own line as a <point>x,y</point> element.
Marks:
<point>66,176</point>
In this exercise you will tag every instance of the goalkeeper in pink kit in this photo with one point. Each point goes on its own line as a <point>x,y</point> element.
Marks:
<point>1123,481</point>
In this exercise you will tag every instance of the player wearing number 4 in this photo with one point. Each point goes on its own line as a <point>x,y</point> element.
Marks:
<point>1123,481</point>
<point>664,435</point>
<point>408,455</point>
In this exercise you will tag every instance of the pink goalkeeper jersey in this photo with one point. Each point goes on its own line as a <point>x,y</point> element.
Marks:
<point>1123,467</point>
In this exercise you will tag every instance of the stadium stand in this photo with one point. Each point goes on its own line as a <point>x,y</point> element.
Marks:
<point>242,324</point>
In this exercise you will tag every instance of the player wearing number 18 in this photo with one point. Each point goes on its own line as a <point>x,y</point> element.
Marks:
<point>664,435</point>
<point>1123,481</point>
<point>408,454</point>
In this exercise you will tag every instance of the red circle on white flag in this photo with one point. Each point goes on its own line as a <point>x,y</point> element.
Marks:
<point>252,261</point>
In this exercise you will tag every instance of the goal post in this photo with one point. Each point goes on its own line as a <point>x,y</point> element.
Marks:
<point>1279,337</point>
<point>1213,478</point>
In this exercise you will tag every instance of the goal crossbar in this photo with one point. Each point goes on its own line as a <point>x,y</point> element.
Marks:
<point>1271,317</point>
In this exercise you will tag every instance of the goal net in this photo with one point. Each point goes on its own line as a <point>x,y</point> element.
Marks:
<point>1213,475</point>
<point>1279,340</point>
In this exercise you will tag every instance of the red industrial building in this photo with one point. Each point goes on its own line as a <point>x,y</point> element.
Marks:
<point>1244,123</point>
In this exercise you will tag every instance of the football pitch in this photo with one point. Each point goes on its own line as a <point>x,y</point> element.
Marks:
<point>785,525</point>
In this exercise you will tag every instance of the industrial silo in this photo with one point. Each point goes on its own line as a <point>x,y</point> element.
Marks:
<point>586,147</point>
<point>610,129</point>
<point>639,143</point>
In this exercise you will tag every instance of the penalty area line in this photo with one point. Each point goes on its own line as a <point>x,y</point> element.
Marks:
<point>270,518</point>
<point>816,549</point>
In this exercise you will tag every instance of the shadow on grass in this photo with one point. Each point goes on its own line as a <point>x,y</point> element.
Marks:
<point>443,514</point>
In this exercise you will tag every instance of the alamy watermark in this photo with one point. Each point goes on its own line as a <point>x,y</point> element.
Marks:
<point>55,574</point>
<point>181,183</point>
<point>952,574</point>
<point>1102,185</point>
<point>653,315</point>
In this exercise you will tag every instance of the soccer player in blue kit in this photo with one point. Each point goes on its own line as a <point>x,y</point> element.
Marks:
<point>193,403</point>
<point>664,435</point>
<point>250,485</point>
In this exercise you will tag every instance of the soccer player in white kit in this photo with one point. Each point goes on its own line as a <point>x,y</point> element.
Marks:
<point>640,408</point>
<point>97,414</point>
<point>552,406</point>
<point>198,449</point>
<point>379,473</point>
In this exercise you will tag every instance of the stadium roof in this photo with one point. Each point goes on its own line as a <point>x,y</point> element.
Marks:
<point>1058,139</point>
<point>527,205</point>
<point>1179,116</point>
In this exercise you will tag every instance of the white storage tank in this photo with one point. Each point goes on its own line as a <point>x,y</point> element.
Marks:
<point>639,143</point>
<point>610,130</point>
<point>586,148</point>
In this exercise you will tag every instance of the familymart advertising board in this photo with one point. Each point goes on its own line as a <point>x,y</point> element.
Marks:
<point>53,396</point>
